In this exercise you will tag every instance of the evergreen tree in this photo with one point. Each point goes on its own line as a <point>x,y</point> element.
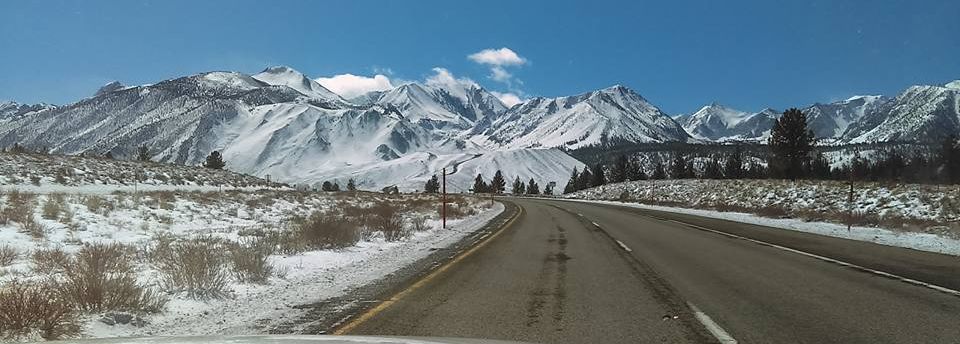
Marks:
<point>620,169</point>
<point>108,156</point>
<point>336,186</point>
<point>214,161</point>
<point>712,170</point>
<point>432,185</point>
<point>598,176</point>
<point>859,167</point>
<point>572,183</point>
<point>327,186</point>
<point>733,167</point>
<point>533,188</point>
<point>756,171</point>
<point>949,157</point>
<point>678,167</point>
<point>518,187</point>
<point>791,142</point>
<point>17,149</point>
<point>351,185</point>
<point>143,154</point>
<point>585,179</point>
<point>820,167</point>
<point>658,172</point>
<point>498,185</point>
<point>479,185</point>
<point>635,171</point>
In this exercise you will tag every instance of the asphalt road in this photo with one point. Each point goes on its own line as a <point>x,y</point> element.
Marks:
<point>568,272</point>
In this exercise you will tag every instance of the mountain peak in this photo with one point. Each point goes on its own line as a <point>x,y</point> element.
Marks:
<point>109,87</point>
<point>286,76</point>
<point>280,69</point>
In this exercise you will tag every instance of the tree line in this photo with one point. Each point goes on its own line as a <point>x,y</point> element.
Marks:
<point>497,185</point>
<point>793,155</point>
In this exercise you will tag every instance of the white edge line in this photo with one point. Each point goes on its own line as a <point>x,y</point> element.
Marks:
<point>711,326</point>
<point>623,246</point>
<point>831,260</point>
<point>595,224</point>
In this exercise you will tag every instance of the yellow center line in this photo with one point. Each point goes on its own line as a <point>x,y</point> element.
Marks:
<point>346,328</point>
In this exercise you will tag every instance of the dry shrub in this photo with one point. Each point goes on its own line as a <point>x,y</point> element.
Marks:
<point>35,229</point>
<point>388,221</point>
<point>31,309</point>
<point>165,199</point>
<point>327,231</point>
<point>195,266</point>
<point>249,260</point>
<point>8,254</point>
<point>101,278</point>
<point>98,205</point>
<point>418,223</point>
<point>50,260</point>
<point>458,208</point>
<point>20,206</point>
<point>53,207</point>
<point>285,242</point>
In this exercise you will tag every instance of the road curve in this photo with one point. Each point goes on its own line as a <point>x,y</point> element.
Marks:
<point>570,272</point>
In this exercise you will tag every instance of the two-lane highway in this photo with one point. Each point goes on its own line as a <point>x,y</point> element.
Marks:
<point>571,272</point>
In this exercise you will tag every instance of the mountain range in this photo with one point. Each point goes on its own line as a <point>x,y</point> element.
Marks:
<point>282,124</point>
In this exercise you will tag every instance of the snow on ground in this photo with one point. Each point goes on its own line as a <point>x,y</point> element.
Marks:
<point>923,217</point>
<point>138,220</point>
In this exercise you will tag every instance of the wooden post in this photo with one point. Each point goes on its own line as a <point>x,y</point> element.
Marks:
<point>850,202</point>
<point>443,199</point>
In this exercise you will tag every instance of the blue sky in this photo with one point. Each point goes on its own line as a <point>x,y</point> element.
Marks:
<point>678,54</point>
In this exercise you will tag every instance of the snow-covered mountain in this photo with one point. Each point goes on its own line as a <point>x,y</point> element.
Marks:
<point>831,120</point>
<point>283,124</point>
<point>608,115</point>
<point>457,105</point>
<point>12,110</point>
<point>920,113</point>
<point>719,123</point>
<point>286,76</point>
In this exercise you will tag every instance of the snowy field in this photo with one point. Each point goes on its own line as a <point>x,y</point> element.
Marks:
<point>64,173</point>
<point>923,217</point>
<point>191,262</point>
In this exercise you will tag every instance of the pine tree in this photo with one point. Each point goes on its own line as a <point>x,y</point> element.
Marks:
<point>620,169</point>
<point>17,149</point>
<point>572,183</point>
<point>791,142</point>
<point>517,187</point>
<point>498,185</point>
<point>351,185</point>
<point>658,171</point>
<point>635,171</point>
<point>712,170</point>
<point>215,161</point>
<point>327,186</point>
<point>585,179</point>
<point>678,167</point>
<point>432,185</point>
<point>143,154</point>
<point>820,167</point>
<point>108,156</point>
<point>533,188</point>
<point>598,176</point>
<point>479,185</point>
<point>733,167</point>
<point>949,159</point>
<point>336,186</point>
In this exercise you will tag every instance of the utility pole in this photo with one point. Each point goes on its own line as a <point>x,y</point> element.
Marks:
<point>850,202</point>
<point>443,198</point>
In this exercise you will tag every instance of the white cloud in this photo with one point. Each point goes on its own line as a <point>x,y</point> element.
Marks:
<point>498,57</point>
<point>349,85</point>
<point>500,74</point>
<point>507,98</point>
<point>497,60</point>
<point>442,76</point>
